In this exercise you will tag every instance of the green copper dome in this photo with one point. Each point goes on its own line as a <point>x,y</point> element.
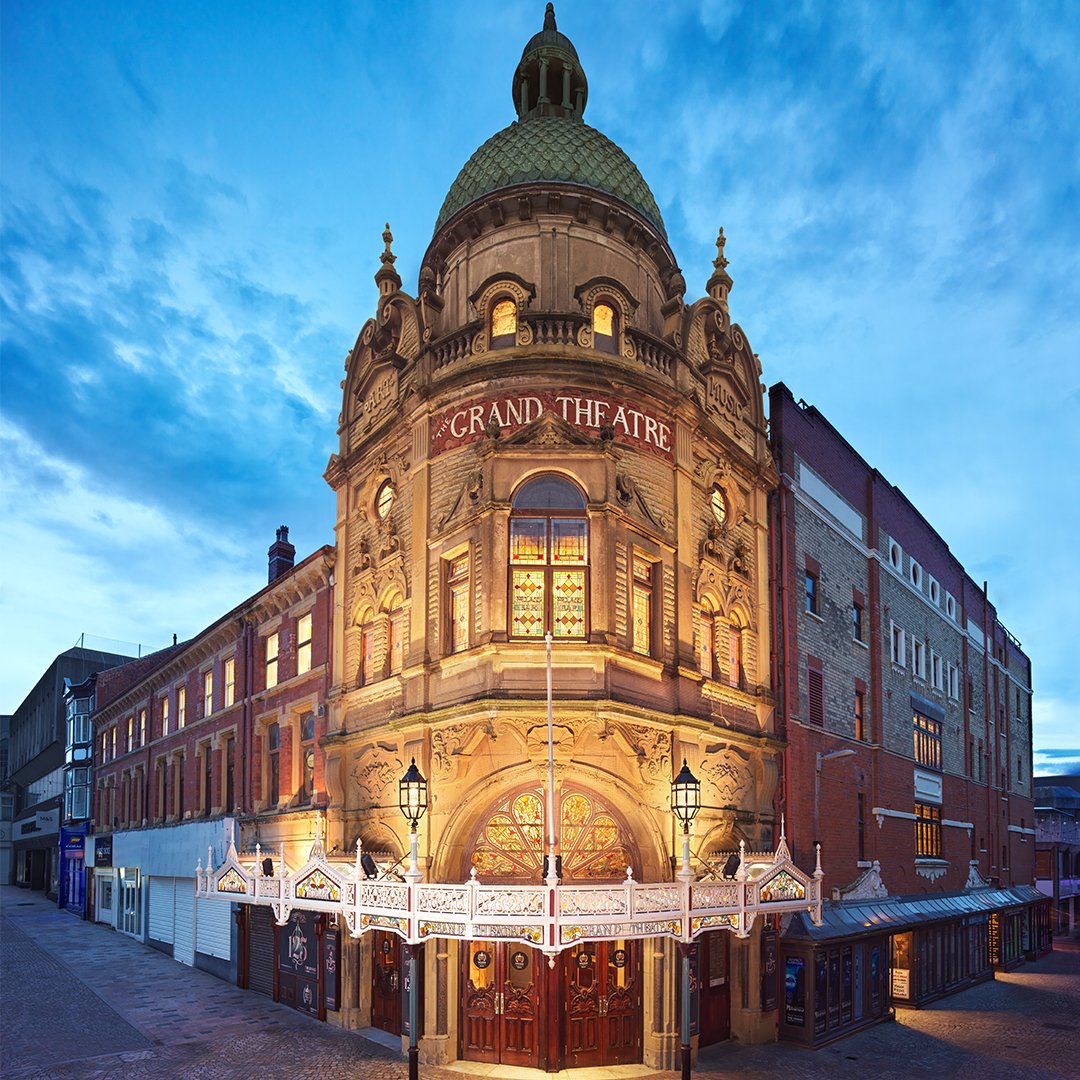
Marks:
<point>549,142</point>
<point>554,149</point>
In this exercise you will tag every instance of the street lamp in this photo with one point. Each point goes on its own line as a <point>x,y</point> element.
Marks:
<point>413,801</point>
<point>685,803</point>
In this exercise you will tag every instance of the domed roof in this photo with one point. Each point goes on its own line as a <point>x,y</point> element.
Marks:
<point>559,149</point>
<point>549,142</point>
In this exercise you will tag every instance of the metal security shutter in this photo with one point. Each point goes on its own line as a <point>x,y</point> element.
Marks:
<point>184,928</point>
<point>162,899</point>
<point>261,958</point>
<point>213,922</point>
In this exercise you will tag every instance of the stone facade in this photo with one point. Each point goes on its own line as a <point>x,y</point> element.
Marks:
<point>658,427</point>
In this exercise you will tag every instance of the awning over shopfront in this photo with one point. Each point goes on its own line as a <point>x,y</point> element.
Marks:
<point>844,919</point>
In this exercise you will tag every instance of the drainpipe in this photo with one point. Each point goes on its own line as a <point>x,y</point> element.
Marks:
<point>246,799</point>
<point>785,670</point>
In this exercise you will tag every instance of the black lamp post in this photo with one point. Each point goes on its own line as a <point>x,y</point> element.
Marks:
<point>413,801</point>
<point>685,803</point>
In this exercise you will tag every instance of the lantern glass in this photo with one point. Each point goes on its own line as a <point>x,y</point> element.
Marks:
<point>412,795</point>
<point>685,795</point>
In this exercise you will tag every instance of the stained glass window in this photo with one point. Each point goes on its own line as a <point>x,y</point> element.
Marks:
<point>706,641</point>
<point>458,590</point>
<point>511,842</point>
<point>527,603</point>
<point>568,596</point>
<point>503,319</point>
<point>642,604</point>
<point>547,597</point>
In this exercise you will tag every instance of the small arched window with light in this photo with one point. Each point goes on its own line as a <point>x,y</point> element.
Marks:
<point>605,327</point>
<point>504,321</point>
<point>736,671</point>
<point>706,639</point>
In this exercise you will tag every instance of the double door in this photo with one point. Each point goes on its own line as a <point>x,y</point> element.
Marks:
<point>500,1006</point>
<point>602,1003</point>
<point>584,1012</point>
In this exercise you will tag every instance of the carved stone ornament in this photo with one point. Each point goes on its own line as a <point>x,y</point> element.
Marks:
<point>975,880</point>
<point>630,495</point>
<point>446,744</point>
<point>729,774</point>
<point>867,886</point>
<point>931,869</point>
<point>653,750</point>
<point>373,773</point>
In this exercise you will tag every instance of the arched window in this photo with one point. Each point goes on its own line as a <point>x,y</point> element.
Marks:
<point>605,326</point>
<point>512,840</point>
<point>395,636</point>
<point>549,557</point>
<point>366,674</point>
<point>503,324</point>
<point>706,639</point>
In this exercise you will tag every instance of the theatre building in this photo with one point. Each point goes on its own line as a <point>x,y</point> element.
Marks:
<point>550,439</point>
<point>906,707</point>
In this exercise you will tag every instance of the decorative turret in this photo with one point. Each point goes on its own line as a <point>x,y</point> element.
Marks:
<point>719,285</point>
<point>550,80</point>
<point>386,277</point>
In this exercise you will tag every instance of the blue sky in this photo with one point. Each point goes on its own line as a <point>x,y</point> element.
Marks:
<point>192,198</point>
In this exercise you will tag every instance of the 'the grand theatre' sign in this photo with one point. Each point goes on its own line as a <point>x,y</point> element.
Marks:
<point>465,423</point>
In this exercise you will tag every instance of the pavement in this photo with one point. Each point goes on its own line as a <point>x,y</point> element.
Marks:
<point>79,1000</point>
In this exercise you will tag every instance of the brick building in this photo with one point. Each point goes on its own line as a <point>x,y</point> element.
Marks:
<point>211,742</point>
<point>906,705</point>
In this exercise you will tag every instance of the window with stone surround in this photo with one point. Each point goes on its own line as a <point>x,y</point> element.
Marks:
<point>706,639</point>
<point>303,644</point>
<point>208,692</point>
<point>273,764</point>
<point>549,560</point>
<point>641,604</point>
<point>229,672</point>
<point>459,607</point>
<point>367,673</point>
<point>605,327</point>
<point>272,642</point>
<point>395,643</point>
<point>927,831</point>
<point>307,757</point>
<point>898,641</point>
<point>504,321</point>
<point>918,657</point>
<point>927,741</point>
<point>736,668</point>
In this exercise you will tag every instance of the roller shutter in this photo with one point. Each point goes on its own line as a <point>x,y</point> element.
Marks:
<point>261,951</point>
<point>184,928</point>
<point>213,920</point>
<point>162,901</point>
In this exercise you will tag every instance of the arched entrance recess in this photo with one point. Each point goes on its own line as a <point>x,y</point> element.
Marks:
<point>595,987</point>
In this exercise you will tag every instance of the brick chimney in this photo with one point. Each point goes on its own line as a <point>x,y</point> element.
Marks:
<point>282,555</point>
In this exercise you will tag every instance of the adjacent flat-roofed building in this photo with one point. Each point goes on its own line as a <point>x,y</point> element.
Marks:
<point>212,743</point>
<point>906,705</point>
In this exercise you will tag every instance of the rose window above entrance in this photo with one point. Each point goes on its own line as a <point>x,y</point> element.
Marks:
<point>511,842</point>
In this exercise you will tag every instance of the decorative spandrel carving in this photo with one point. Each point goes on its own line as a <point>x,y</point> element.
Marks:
<point>446,744</point>
<point>373,773</point>
<point>653,750</point>
<point>729,773</point>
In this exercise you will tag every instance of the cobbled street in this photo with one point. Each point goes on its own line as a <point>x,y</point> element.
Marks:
<point>80,1000</point>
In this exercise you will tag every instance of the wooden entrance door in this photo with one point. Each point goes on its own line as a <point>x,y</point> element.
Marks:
<point>386,981</point>
<point>714,999</point>
<point>500,1003</point>
<point>602,1003</point>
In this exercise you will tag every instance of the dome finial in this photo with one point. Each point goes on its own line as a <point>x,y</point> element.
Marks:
<point>387,256</point>
<point>549,17</point>
<point>719,285</point>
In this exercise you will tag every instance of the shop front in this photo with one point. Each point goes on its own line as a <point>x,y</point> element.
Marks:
<point>72,884</point>
<point>870,956</point>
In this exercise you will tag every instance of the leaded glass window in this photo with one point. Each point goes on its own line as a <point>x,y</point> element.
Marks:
<point>549,534</point>
<point>512,841</point>
<point>642,605</point>
<point>706,641</point>
<point>458,591</point>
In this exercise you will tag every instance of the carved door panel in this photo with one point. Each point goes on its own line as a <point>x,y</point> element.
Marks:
<point>519,973</point>
<point>500,1003</point>
<point>479,1001</point>
<point>582,995</point>
<point>386,981</point>
<point>715,987</point>
<point>621,1007</point>
<point>602,1004</point>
